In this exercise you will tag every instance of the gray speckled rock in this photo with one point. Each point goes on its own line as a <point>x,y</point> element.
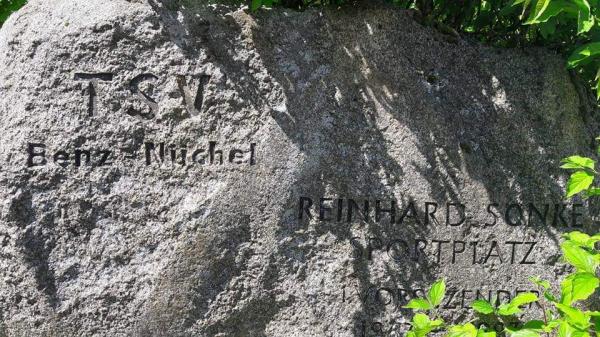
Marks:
<point>173,171</point>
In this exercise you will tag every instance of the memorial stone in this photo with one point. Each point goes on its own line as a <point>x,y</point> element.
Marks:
<point>174,169</point>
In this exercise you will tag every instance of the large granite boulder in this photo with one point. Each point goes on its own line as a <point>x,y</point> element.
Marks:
<point>196,170</point>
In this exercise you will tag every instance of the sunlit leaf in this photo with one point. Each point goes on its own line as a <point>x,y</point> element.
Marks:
<point>578,182</point>
<point>523,298</point>
<point>465,330</point>
<point>508,310</point>
<point>581,239</point>
<point>513,332</point>
<point>551,326</point>
<point>584,54</point>
<point>483,307</point>
<point>422,325</point>
<point>549,10</point>
<point>578,162</point>
<point>578,257</point>
<point>437,292</point>
<point>421,321</point>
<point>418,304</point>
<point>576,317</point>
<point>539,8</point>
<point>578,287</point>
<point>542,283</point>
<point>565,330</point>
<point>585,20</point>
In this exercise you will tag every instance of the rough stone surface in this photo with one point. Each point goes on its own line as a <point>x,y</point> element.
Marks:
<point>356,103</point>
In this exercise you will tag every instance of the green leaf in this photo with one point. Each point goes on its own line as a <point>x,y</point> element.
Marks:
<point>421,321</point>
<point>585,20</point>
<point>512,7</point>
<point>523,298</point>
<point>437,323</point>
<point>593,191</point>
<point>538,10</point>
<point>422,325</point>
<point>580,239</point>
<point>548,28</point>
<point>536,325</point>
<point>578,257</point>
<point>576,317</point>
<point>549,296</point>
<point>482,333</point>
<point>465,330</point>
<point>542,283</point>
<point>596,320</point>
<point>483,307</point>
<point>549,10</point>
<point>256,4</point>
<point>418,304</point>
<point>578,182</point>
<point>578,162</point>
<point>584,54</point>
<point>522,332</point>
<point>565,330</point>
<point>516,2</point>
<point>437,292</point>
<point>9,7</point>
<point>551,326</point>
<point>578,286</point>
<point>508,310</point>
<point>512,308</point>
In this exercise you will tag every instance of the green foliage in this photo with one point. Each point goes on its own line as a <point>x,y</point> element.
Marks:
<point>514,306</point>
<point>507,309</point>
<point>434,298</point>
<point>563,318</point>
<point>483,307</point>
<point>469,330</point>
<point>7,7</point>
<point>582,177</point>
<point>580,257</point>
<point>421,324</point>
<point>436,293</point>
<point>419,304</point>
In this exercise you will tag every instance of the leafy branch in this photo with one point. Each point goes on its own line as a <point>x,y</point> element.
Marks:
<point>564,318</point>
